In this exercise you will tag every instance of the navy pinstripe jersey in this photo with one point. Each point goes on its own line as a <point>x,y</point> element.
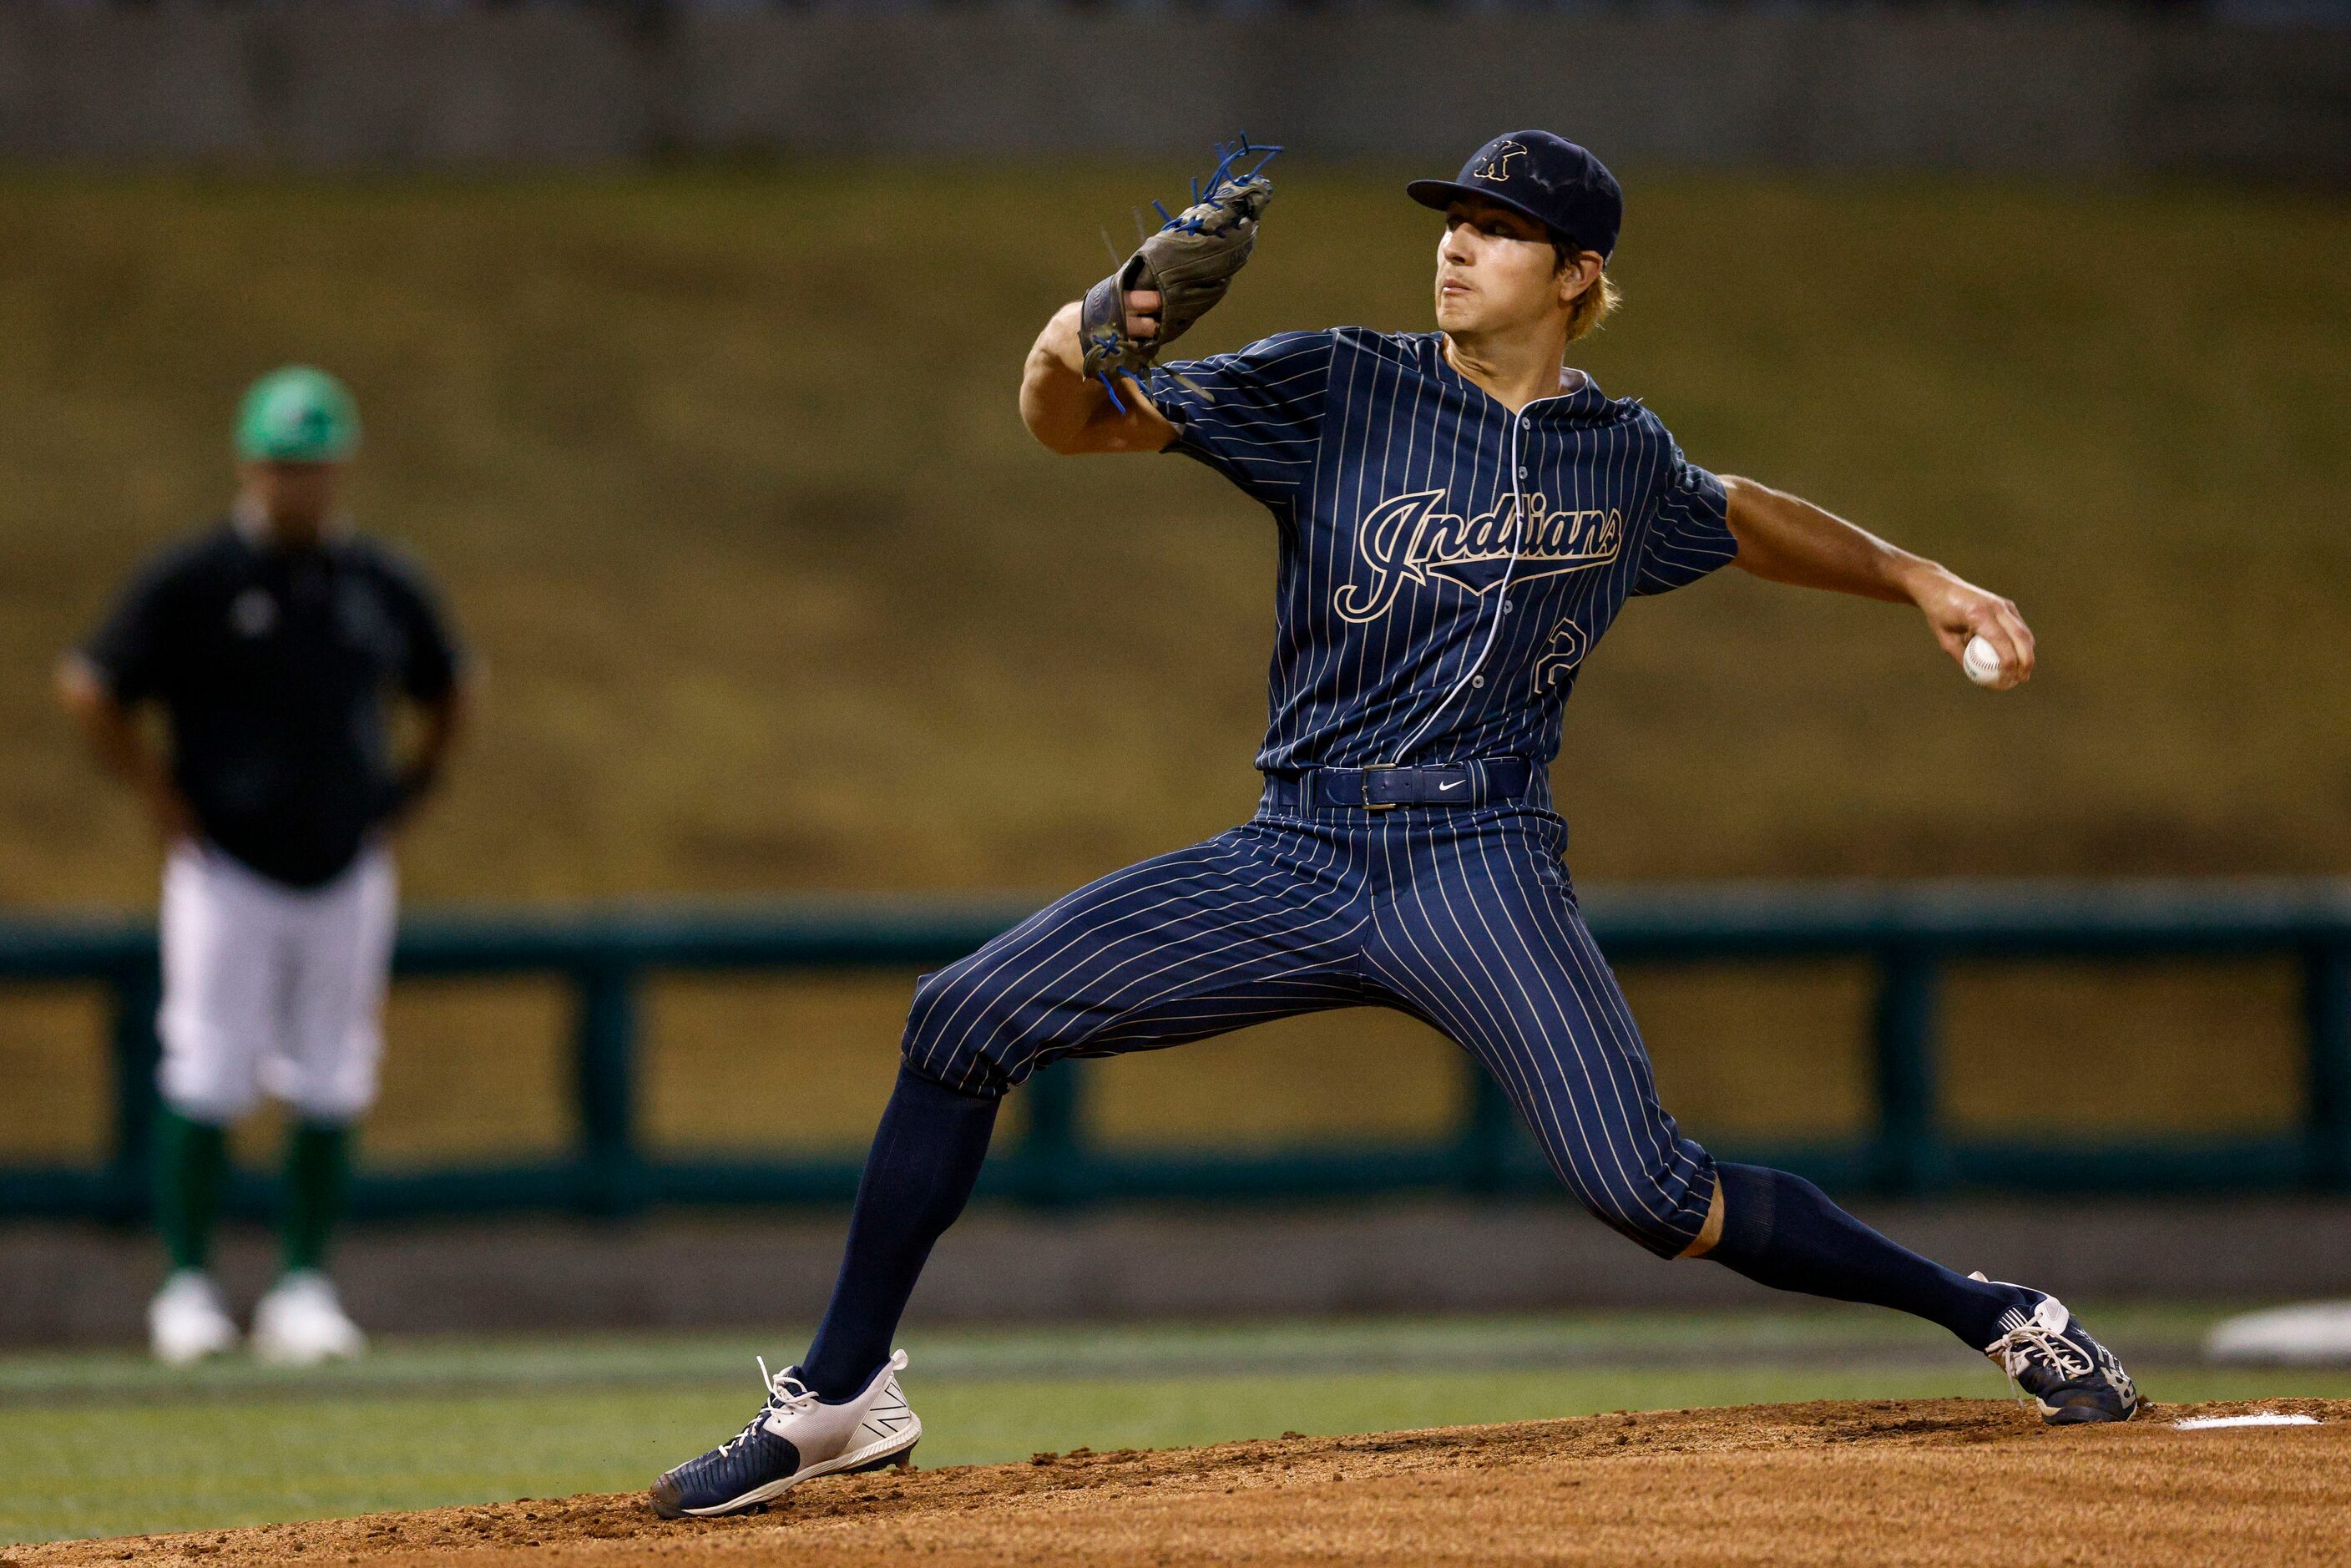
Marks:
<point>1446,565</point>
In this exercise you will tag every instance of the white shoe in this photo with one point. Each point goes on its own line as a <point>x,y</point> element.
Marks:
<point>301,1323</point>
<point>796,1436</point>
<point>186,1321</point>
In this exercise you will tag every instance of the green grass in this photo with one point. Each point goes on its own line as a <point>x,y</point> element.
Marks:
<point>103,1444</point>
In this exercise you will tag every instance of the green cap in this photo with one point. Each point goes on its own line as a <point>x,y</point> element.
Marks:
<point>297,415</point>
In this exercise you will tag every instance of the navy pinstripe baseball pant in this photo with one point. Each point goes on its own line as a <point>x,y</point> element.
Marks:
<point>1461,917</point>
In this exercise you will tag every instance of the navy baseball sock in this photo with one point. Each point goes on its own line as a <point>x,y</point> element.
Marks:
<point>1783,1231</point>
<point>926,1156</point>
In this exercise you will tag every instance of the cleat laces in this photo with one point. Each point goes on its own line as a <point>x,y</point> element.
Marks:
<point>2019,1349</point>
<point>787,1396</point>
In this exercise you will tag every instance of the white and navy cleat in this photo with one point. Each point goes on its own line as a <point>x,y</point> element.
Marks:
<point>796,1436</point>
<point>2070,1377</point>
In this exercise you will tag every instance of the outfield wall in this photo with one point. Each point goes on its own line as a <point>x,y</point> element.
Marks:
<point>2072,92</point>
<point>88,1285</point>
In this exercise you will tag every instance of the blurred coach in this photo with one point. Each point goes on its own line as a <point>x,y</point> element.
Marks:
<point>274,644</point>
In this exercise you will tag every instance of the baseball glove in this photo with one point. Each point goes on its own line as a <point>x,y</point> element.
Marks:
<point>1190,262</point>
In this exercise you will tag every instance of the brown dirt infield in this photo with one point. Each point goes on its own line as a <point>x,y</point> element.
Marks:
<point>1891,1482</point>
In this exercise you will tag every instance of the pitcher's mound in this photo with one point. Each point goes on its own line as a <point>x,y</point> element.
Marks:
<point>1914,1481</point>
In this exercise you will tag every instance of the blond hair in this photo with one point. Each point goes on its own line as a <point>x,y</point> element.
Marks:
<point>1595,304</point>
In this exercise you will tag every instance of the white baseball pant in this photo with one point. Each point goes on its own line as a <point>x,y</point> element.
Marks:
<point>270,989</point>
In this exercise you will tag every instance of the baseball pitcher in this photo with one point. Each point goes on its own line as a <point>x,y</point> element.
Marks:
<point>1460,519</point>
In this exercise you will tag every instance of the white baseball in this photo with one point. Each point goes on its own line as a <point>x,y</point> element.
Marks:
<point>1981,660</point>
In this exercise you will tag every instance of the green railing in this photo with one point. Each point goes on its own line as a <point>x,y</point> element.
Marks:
<point>1907,933</point>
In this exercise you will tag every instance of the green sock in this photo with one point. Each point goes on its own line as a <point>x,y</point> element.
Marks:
<point>191,1168</point>
<point>318,1174</point>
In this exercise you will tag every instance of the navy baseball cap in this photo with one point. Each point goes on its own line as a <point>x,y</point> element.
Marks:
<point>1548,178</point>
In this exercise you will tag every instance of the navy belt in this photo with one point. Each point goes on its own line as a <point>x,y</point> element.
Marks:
<point>1483,782</point>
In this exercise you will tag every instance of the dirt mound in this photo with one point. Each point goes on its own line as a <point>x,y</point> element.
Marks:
<point>1915,1481</point>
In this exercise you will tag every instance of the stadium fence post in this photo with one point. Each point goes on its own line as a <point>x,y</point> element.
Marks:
<point>1053,1144</point>
<point>1910,1158</point>
<point>1482,1143</point>
<point>138,990</point>
<point>610,1171</point>
<point>2326,1012</point>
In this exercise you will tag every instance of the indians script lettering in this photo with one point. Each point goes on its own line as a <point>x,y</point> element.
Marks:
<point>1413,539</point>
